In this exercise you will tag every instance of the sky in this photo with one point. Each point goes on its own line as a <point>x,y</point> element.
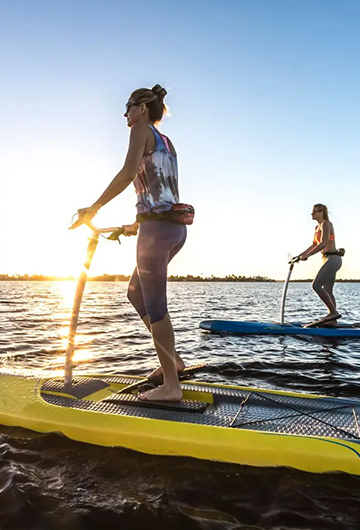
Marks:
<point>264,97</point>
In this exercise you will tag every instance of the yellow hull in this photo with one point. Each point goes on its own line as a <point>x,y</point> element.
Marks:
<point>24,402</point>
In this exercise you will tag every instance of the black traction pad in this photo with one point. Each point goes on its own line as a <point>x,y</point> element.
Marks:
<point>80,387</point>
<point>185,405</point>
<point>152,382</point>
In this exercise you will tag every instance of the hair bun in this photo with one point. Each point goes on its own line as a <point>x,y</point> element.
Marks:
<point>159,91</point>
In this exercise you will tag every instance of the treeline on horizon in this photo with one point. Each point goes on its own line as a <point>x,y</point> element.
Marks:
<point>172,278</point>
<point>125,278</point>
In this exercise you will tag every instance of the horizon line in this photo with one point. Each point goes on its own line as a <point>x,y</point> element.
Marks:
<point>172,278</point>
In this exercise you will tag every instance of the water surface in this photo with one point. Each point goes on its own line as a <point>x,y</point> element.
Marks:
<point>49,482</point>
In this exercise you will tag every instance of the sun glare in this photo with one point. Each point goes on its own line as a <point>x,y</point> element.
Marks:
<point>67,292</point>
<point>79,357</point>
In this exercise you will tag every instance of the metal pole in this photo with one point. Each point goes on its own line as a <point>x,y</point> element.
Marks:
<point>93,241</point>
<point>283,298</point>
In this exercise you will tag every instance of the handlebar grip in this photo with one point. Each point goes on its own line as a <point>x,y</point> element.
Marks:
<point>75,225</point>
<point>114,236</point>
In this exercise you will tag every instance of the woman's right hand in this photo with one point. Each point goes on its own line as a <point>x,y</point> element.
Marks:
<point>85,215</point>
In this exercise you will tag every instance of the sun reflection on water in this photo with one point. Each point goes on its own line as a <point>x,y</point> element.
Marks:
<point>79,357</point>
<point>67,292</point>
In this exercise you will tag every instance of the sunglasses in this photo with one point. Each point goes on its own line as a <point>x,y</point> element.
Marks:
<point>129,105</point>
<point>315,211</point>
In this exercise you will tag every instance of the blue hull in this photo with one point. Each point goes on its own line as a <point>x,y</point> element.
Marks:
<point>272,328</point>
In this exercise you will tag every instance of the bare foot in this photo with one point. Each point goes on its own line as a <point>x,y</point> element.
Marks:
<point>330,317</point>
<point>180,365</point>
<point>330,324</point>
<point>161,393</point>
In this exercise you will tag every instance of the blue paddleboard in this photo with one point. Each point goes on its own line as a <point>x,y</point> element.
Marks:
<point>272,328</point>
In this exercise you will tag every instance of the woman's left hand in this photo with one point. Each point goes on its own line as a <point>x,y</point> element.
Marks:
<point>131,230</point>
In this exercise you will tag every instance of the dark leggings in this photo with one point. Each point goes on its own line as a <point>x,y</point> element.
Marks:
<point>158,243</point>
<point>325,278</point>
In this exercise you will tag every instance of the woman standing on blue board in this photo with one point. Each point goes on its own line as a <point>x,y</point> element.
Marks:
<point>151,163</point>
<point>324,242</point>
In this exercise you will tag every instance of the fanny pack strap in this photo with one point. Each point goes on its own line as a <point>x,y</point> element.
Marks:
<point>179,214</point>
<point>339,252</point>
<point>154,216</point>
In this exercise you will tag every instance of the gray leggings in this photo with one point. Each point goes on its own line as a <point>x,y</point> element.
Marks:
<point>325,278</point>
<point>158,243</point>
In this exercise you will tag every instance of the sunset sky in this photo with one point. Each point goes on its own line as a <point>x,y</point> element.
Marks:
<point>264,98</point>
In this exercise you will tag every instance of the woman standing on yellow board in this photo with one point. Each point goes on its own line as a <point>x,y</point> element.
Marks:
<point>324,242</point>
<point>151,162</point>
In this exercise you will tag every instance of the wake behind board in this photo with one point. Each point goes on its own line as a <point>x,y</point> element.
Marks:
<point>226,423</point>
<point>233,327</point>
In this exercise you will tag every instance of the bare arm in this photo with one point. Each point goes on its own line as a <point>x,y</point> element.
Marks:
<point>304,255</point>
<point>125,176</point>
<point>315,248</point>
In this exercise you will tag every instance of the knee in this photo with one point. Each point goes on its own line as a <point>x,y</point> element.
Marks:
<point>316,285</point>
<point>135,297</point>
<point>130,293</point>
<point>156,311</point>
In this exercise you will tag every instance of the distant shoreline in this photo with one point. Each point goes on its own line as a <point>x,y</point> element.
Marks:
<point>126,278</point>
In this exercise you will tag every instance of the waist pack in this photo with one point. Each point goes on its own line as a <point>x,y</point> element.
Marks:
<point>179,213</point>
<point>338,252</point>
<point>183,213</point>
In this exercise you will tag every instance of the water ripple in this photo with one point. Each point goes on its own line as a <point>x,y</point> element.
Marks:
<point>50,483</point>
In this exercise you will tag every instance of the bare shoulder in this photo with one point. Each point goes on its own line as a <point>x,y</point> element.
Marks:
<point>139,130</point>
<point>139,136</point>
<point>327,225</point>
